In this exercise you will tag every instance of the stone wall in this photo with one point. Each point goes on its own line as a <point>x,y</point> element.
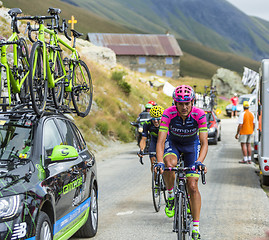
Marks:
<point>152,64</point>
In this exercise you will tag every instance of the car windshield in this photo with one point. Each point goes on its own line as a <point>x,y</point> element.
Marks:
<point>144,116</point>
<point>15,139</point>
<point>242,99</point>
<point>209,117</point>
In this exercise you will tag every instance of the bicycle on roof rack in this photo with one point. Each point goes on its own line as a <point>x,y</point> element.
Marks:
<point>52,78</point>
<point>15,70</point>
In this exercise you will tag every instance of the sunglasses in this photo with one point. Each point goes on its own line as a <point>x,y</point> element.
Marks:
<point>156,119</point>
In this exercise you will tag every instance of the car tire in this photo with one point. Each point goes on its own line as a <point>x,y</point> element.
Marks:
<point>89,229</point>
<point>265,180</point>
<point>219,138</point>
<point>215,141</point>
<point>43,227</point>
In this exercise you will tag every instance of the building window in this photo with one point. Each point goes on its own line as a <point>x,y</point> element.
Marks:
<point>169,60</point>
<point>142,70</point>
<point>159,72</point>
<point>169,73</point>
<point>141,60</point>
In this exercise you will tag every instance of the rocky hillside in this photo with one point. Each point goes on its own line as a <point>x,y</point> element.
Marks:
<point>214,23</point>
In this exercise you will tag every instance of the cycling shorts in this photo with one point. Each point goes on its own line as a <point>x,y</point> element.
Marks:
<point>152,146</point>
<point>191,153</point>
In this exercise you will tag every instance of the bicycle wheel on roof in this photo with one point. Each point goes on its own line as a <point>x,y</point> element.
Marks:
<point>82,90</point>
<point>37,82</point>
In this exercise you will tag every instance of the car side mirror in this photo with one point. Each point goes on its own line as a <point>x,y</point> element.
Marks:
<point>218,120</point>
<point>62,153</point>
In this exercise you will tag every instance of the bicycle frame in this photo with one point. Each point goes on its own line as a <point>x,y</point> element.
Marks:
<point>11,79</point>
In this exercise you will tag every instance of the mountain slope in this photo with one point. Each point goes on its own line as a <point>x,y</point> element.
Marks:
<point>214,23</point>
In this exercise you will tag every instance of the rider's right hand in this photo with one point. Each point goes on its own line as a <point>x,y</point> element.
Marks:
<point>160,166</point>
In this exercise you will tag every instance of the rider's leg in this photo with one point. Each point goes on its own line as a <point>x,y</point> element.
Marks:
<point>169,176</point>
<point>195,197</point>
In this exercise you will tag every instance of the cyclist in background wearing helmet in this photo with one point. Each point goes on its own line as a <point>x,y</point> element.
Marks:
<point>152,103</point>
<point>183,122</point>
<point>151,127</point>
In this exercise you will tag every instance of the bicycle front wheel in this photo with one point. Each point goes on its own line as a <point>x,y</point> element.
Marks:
<point>163,189</point>
<point>180,218</point>
<point>156,192</point>
<point>82,90</point>
<point>37,82</point>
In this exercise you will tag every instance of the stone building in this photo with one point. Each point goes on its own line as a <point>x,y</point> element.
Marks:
<point>158,54</point>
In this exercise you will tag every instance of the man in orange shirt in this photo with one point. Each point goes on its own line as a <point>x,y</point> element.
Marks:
<point>244,132</point>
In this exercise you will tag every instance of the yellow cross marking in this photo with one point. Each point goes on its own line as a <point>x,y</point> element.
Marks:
<point>72,21</point>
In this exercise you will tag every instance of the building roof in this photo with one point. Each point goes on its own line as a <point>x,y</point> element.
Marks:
<point>137,44</point>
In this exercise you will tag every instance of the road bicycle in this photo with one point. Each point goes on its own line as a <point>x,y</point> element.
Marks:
<point>182,223</point>
<point>14,70</point>
<point>52,78</point>
<point>158,187</point>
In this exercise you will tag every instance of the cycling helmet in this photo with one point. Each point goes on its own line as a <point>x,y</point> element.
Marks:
<point>183,93</point>
<point>156,111</point>
<point>152,103</point>
<point>148,106</point>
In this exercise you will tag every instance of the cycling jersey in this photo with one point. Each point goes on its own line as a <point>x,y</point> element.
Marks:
<point>149,127</point>
<point>183,134</point>
<point>181,131</point>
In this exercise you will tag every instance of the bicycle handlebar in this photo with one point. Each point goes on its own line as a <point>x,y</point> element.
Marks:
<point>146,153</point>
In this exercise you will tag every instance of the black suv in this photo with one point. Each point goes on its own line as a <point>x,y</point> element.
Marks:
<point>48,183</point>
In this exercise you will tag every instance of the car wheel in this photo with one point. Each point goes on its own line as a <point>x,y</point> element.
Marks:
<point>265,180</point>
<point>43,227</point>
<point>89,229</point>
<point>219,138</point>
<point>215,141</point>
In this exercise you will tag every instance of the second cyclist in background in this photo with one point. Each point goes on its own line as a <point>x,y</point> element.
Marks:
<point>151,127</point>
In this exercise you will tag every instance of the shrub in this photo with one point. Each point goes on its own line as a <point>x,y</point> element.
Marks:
<point>102,127</point>
<point>118,77</point>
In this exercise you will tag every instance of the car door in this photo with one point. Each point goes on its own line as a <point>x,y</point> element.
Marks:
<point>79,169</point>
<point>61,181</point>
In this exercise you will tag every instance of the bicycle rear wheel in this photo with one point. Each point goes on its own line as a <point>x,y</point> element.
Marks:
<point>58,90</point>
<point>156,192</point>
<point>37,82</point>
<point>163,189</point>
<point>23,70</point>
<point>82,90</point>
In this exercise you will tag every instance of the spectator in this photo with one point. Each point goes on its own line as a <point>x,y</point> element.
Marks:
<point>244,132</point>
<point>234,101</point>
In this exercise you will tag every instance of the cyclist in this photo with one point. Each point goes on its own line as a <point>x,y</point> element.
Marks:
<point>183,122</point>
<point>151,127</point>
<point>152,103</point>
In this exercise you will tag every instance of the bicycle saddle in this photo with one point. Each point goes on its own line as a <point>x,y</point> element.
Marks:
<point>76,34</point>
<point>54,11</point>
<point>14,11</point>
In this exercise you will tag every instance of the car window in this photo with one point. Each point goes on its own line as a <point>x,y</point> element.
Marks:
<point>243,99</point>
<point>51,137</point>
<point>209,116</point>
<point>79,137</point>
<point>15,139</point>
<point>69,137</point>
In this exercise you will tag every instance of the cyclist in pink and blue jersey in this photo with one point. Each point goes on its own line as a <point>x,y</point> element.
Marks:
<point>183,129</point>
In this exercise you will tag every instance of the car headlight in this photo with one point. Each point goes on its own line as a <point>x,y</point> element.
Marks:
<point>9,206</point>
<point>140,129</point>
<point>213,129</point>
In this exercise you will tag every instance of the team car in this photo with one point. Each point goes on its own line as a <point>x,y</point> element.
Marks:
<point>48,178</point>
<point>213,126</point>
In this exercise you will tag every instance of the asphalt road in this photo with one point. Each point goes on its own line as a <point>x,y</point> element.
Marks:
<point>234,206</point>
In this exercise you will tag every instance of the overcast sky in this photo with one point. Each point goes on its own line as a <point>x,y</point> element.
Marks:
<point>257,8</point>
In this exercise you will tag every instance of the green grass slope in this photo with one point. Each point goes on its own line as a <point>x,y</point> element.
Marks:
<point>87,21</point>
